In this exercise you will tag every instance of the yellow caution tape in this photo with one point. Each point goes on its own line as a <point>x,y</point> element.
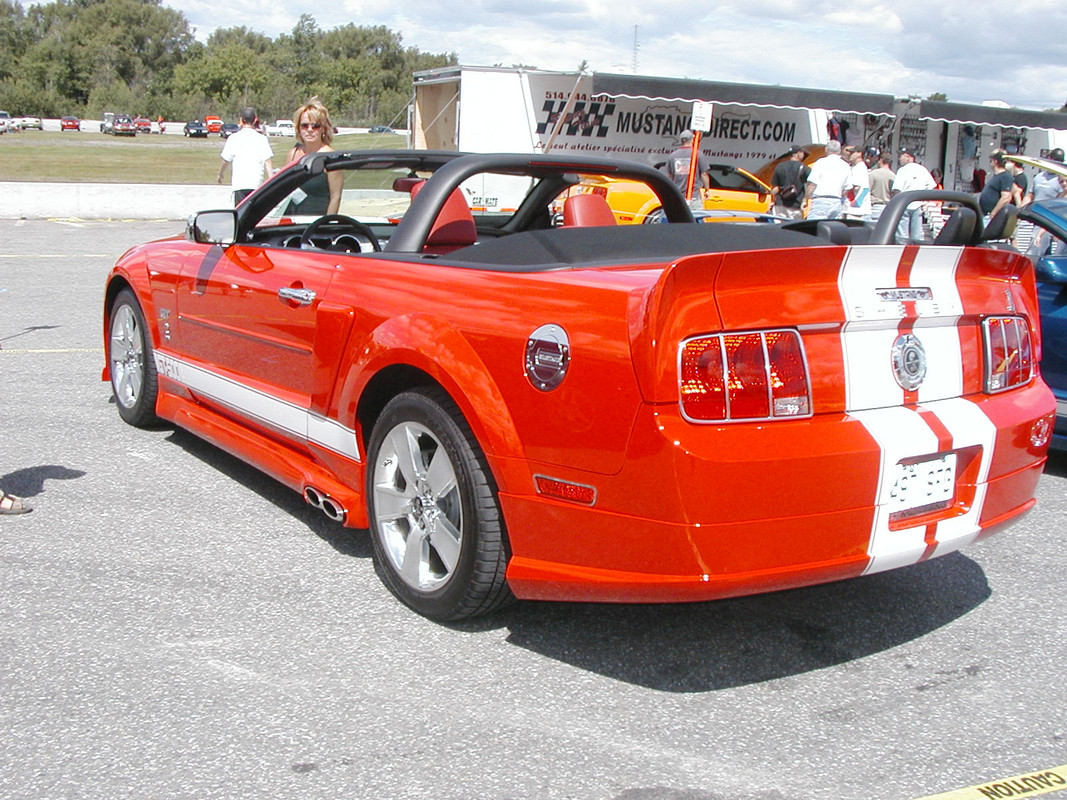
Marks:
<point>1030,784</point>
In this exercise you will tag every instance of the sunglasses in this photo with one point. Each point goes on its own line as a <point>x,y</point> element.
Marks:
<point>310,126</point>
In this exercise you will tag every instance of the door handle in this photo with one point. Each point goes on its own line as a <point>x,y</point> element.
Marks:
<point>301,296</point>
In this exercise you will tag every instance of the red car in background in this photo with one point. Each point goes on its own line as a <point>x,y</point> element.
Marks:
<point>213,124</point>
<point>143,124</point>
<point>69,124</point>
<point>123,126</point>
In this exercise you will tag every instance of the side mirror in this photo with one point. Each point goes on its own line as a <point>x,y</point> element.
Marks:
<point>213,227</point>
<point>1052,269</point>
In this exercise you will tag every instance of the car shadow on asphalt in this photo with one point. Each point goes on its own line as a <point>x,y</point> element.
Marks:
<point>690,647</point>
<point>347,541</point>
<point>701,647</point>
<point>1057,463</point>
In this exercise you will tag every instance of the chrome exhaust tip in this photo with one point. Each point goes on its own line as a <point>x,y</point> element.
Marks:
<point>324,503</point>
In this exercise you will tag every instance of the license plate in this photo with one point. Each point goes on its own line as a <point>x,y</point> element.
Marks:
<point>923,485</point>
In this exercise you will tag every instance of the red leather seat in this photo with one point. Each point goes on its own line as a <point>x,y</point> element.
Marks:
<point>454,227</point>
<point>587,211</point>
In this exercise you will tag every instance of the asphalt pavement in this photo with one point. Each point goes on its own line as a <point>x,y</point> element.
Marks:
<point>174,624</point>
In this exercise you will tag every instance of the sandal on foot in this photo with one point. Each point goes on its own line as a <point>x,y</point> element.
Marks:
<point>9,504</point>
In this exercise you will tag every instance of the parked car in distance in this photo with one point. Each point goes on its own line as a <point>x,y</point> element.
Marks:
<point>281,127</point>
<point>380,129</point>
<point>213,124</point>
<point>638,413</point>
<point>1048,252</point>
<point>732,189</point>
<point>229,128</point>
<point>123,125</point>
<point>5,121</point>
<point>108,122</point>
<point>69,123</point>
<point>195,128</point>
<point>143,124</point>
<point>30,123</point>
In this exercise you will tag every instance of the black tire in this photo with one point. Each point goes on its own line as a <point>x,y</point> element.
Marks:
<point>435,520</point>
<point>131,362</point>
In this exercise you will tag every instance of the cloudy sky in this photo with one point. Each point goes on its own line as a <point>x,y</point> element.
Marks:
<point>972,50</point>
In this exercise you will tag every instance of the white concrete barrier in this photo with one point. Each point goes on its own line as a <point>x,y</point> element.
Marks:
<point>109,200</point>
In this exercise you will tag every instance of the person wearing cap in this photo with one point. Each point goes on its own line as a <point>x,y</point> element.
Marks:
<point>859,192</point>
<point>827,183</point>
<point>998,187</point>
<point>1045,185</point>
<point>881,179</point>
<point>790,175</point>
<point>911,176</point>
<point>677,169</point>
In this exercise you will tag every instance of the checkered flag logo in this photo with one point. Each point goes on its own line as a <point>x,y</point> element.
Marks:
<point>586,119</point>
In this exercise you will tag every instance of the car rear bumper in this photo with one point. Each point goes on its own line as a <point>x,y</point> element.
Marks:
<point>704,512</point>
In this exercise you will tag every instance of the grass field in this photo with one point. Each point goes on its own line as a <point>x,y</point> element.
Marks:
<point>47,156</point>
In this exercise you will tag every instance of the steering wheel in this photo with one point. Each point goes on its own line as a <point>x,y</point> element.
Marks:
<point>340,228</point>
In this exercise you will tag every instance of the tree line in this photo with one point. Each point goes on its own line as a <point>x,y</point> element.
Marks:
<point>84,57</point>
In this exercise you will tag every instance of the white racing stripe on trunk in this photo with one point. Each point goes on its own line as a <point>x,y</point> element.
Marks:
<point>902,433</point>
<point>872,324</point>
<point>874,397</point>
<point>283,416</point>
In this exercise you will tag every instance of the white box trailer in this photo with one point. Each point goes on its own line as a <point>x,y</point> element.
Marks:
<point>494,109</point>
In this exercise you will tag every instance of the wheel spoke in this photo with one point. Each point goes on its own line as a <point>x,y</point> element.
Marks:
<point>446,541</point>
<point>440,476</point>
<point>390,503</point>
<point>405,443</point>
<point>415,555</point>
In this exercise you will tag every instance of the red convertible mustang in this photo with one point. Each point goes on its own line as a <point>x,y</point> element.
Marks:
<point>523,405</point>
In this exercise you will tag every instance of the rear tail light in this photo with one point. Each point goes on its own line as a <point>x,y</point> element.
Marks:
<point>732,377</point>
<point>1009,360</point>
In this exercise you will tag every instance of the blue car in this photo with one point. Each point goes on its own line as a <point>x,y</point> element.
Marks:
<point>1049,253</point>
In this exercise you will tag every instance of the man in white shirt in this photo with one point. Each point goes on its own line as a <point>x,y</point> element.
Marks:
<point>911,176</point>
<point>249,155</point>
<point>827,183</point>
<point>858,205</point>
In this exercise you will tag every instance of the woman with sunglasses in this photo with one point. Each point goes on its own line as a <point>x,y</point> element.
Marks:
<point>314,132</point>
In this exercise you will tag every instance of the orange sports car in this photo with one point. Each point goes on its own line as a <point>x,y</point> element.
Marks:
<point>514,408</point>
<point>732,189</point>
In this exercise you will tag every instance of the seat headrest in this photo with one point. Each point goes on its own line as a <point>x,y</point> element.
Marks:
<point>959,228</point>
<point>587,211</point>
<point>454,226</point>
<point>1002,225</point>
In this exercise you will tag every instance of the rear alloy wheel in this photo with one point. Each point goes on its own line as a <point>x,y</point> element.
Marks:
<point>436,525</point>
<point>131,362</point>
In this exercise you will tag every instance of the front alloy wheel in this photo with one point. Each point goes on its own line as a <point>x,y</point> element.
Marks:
<point>131,363</point>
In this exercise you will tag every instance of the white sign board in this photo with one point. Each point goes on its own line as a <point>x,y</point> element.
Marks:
<point>701,116</point>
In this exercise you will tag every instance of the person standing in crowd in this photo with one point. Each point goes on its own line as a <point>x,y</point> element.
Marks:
<point>881,179</point>
<point>787,184</point>
<point>314,132</point>
<point>859,191</point>
<point>248,154</point>
<point>827,183</point>
<point>1045,185</point>
<point>911,176</point>
<point>998,187</point>
<point>677,169</point>
<point>1020,183</point>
